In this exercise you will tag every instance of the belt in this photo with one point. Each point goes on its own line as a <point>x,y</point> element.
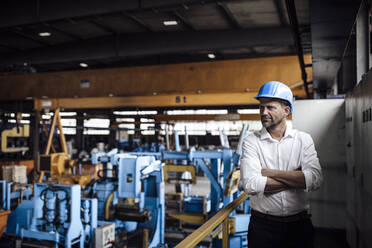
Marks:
<point>291,218</point>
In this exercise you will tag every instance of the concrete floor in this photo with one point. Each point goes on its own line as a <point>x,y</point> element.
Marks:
<point>329,238</point>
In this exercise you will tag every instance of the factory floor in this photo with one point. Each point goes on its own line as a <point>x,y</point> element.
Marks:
<point>329,238</point>
<point>324,238</point>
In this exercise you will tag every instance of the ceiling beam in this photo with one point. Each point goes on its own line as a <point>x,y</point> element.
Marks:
<point>183,20</point>
<point>292,15</point>
<point>21,12</point>
<point>138,21</point>
<point>58,30</point>
<point>161,43</point>
<point>226,12</point>
<point>102,26</point>
<point>29,37</point>
<point>168,100</point>
<point>281,12</point>
<point>10,47</point>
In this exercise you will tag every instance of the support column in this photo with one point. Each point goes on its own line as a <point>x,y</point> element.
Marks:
<point>362,42</point>
<point>137,127</point>
<point>34,122</point>
<point>112,135</point>
<point>79,131</point>
<point>215,196</point>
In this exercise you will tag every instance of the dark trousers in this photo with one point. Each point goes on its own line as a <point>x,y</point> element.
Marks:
<point>263,233</point>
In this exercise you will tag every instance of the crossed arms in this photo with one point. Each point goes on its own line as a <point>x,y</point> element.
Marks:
<point>255,180</point>
<point>278,180</point>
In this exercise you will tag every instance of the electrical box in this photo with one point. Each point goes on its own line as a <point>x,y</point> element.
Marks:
<point>105,236</point>
<point>45,163</point>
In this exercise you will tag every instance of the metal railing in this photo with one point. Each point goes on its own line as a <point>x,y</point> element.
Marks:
<point>221,217</point>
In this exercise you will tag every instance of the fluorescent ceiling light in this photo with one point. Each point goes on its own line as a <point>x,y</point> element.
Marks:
<point>170,23</point>
<point>83,65</point>
<point>211,56</point>
<point>44,34</point>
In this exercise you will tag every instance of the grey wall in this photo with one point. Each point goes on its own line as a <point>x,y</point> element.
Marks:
<point>359,164</point>
<point>324,120</point>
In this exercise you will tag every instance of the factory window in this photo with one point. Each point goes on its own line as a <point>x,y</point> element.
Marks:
<point>148,112</point>
<point>69,126</point>
<point>193,128</point>
<point>248,111</point>
<point>147,129</point>
<point>197,112</point>
<point>147,126</point>
<point>232,128</point>
<point>47,116</point>
<point>67,113</point>
<point>125,119</point>
<point>96,126</point>
<point>22,121</point>
<point>128,127</point>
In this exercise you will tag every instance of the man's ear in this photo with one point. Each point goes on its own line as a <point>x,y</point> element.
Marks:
<point>287,110</point>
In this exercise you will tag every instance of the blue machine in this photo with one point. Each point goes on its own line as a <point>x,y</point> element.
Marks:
<point>130,193</point>
<point>52,216</point>
<point>216,165</point>
<point>216,173</point>
<point>59,224</point>
<point>135,145</point>
<point>89,219</point>
<point>12,194</point>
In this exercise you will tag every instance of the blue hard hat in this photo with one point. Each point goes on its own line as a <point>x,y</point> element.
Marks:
<point>278,90</point>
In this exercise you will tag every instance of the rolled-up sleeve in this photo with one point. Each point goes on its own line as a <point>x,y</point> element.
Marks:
<point>310,165</point>
<point>250,166</point>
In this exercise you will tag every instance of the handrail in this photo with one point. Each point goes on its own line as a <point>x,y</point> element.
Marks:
<point>199,234</point>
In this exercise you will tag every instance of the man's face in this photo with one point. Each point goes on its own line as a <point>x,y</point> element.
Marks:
<point>272,112</point>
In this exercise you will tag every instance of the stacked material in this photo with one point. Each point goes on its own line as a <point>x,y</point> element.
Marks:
<point>15,173</point>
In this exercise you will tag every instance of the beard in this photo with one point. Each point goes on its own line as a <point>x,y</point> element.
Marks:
<point>270,123</point>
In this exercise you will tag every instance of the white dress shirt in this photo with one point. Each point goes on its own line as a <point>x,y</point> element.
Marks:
<point>295,150</point>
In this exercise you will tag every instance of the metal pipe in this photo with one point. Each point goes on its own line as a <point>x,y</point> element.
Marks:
<point>187,139</point>
<point>177,146</point>
<point>292,15</point>
<point>167,137</point>
<point>107,205</point>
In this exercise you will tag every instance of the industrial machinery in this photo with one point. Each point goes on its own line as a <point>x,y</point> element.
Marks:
<point>13,133</point>
<point>52,218</point>
<point>12,194</point>
<point>130,194</point>
<point>58,165</point>
<point>56,216</point>
<point>221,167</point>
<point>129,197</point>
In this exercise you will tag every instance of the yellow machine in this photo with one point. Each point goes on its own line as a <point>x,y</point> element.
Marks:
<point>58,165</point>
<point>23,131</point>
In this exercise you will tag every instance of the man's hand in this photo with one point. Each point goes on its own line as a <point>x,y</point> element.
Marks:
<point>273,186</point>
<point>292,179</point>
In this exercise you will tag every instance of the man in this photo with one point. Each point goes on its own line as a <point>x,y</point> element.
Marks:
<point>278,166</point>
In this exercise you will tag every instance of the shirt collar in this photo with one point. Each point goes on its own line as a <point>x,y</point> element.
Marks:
<point>289,132</point>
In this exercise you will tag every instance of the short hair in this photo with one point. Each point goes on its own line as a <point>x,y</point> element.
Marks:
<point>284,102</point>
<point>281,101</point>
